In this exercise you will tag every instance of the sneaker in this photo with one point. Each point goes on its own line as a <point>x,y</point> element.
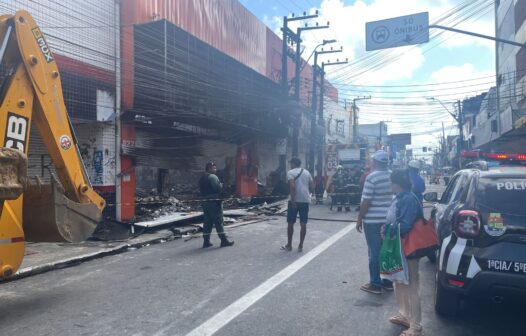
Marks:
<point>207,244</point>
<point>370,288</point>
<point>388,286</point>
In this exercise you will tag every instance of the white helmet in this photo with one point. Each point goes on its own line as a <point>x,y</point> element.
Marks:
<point>414,164</point>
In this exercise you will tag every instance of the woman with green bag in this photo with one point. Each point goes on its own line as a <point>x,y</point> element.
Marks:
<point>405,212</point>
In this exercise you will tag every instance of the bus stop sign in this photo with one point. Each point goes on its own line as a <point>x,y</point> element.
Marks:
<point>397,32</point>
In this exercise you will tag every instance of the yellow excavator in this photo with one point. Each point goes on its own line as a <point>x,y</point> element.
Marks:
<point>67,209</point>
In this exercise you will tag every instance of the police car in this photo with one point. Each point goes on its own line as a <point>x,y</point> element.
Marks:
<point>481,226</point>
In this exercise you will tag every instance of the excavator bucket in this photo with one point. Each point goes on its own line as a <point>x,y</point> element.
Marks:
<point>13,173</point>
<point>50,216</point>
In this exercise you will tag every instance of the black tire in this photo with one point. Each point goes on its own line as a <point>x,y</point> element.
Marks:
<point>446,301</point>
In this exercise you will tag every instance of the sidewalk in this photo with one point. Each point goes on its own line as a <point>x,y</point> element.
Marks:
<point>43,257</point>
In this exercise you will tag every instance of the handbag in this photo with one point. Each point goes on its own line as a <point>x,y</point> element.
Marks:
<point>421,240</point>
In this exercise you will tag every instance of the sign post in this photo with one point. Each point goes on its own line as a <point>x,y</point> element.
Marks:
<point>397,32</point>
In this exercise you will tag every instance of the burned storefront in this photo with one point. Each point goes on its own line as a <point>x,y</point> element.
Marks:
<point>190,103</point>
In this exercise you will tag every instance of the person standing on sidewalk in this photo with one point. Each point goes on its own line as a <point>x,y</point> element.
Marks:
<point>301,186</point>
<point>408,210</point>
<point>376,199</point>
<point>210,188</point>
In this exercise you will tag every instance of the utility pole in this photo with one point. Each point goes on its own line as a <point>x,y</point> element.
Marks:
<point>321,120</point>
<point>298,60</point>
<point>288,34</point>
<point>314,104</point>
<point>443,149</point>
<point>288,37</point>
<point>380,139</point>
<point>460,121</point>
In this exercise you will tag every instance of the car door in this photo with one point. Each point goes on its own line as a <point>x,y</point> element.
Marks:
<point>448,204</point>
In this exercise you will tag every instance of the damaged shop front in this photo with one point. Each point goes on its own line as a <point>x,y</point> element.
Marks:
<point>192,103</point>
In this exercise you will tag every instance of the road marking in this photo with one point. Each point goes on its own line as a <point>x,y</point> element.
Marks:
<point>222,318</point>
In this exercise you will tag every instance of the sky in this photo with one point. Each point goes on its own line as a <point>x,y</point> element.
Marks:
<point>399,80</point>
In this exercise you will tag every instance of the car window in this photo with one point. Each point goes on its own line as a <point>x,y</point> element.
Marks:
<point>449,190</point>
<point>502,195</point>
<point>460,187</point>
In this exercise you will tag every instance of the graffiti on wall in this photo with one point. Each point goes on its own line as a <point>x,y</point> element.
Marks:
<point>99,160</point>
<point>98,169</point>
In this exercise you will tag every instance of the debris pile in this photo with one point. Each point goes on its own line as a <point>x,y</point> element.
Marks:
<point>152,207</point>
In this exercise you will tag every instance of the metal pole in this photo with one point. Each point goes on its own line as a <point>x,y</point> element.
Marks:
<point>380,140</point>
<point>285,87</point>
<point>322,93</point>
<point>479,35</point>
<point>118,167</point>
<point>284,59</point>
<point>443,149</point>
<point>298,67</point>
<point>354,122</point>
<point>321,122</point>
<point>497,67</point>
<point>460,132</point>
<point>297,57</point>
<point>313,115</point>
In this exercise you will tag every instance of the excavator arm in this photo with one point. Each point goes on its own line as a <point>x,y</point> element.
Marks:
<point>68,209</point>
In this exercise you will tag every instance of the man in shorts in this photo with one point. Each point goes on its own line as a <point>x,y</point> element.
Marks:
<point>301,185</point>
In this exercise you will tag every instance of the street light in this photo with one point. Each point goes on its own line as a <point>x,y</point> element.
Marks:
<point>325,42</point>
<point>444,106</point>
<point>459,119</point>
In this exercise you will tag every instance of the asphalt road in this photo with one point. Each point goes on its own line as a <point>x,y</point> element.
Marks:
<point>252,288</point>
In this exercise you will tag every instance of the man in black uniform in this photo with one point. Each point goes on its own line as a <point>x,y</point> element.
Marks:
<point>211,188</point>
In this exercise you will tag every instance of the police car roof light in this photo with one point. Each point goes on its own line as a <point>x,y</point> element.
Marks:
<point>497,156</point>
<point>494,156</point>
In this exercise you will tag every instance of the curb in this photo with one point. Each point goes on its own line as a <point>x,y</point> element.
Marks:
<point>69,262</point>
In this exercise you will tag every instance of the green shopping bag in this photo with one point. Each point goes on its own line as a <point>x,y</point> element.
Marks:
<point>393,265</point>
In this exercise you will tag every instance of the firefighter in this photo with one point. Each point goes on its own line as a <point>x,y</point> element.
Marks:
<point>339,186</point>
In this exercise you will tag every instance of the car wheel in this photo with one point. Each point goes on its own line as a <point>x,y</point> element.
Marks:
<point>446,301</point>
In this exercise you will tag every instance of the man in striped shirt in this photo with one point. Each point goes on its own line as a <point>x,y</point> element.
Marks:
<point>376,199</point>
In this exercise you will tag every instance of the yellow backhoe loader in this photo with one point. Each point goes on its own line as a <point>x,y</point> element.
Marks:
<point>67,209</point>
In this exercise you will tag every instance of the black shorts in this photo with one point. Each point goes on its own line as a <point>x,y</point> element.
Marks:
<point>302,209</point>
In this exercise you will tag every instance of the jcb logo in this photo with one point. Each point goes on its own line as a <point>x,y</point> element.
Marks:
<point>43,45</point>
<point>16,132</point>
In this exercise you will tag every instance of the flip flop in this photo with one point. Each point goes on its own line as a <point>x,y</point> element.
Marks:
<point>286,248</point>
<point>410,332</point>
<point>399,320</point>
